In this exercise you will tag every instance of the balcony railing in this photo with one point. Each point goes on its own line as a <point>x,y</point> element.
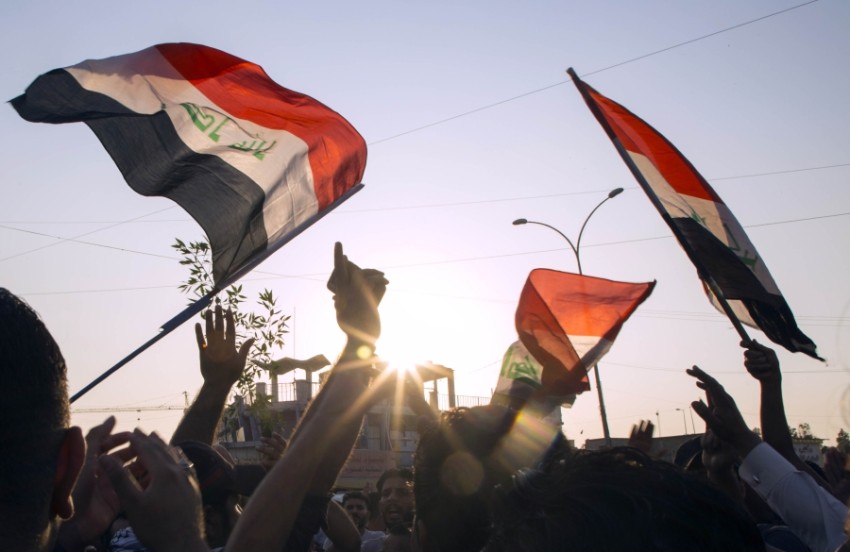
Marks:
<point>297,391</point>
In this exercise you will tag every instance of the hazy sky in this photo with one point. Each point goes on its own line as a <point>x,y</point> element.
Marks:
<point>758,103</point>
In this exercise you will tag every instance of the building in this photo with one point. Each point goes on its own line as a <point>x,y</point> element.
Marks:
<point>387,438</point>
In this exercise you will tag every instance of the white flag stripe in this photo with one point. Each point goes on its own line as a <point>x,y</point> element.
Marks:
<point>590,348</point>
<point>716,217</point>
<point>290,197</point>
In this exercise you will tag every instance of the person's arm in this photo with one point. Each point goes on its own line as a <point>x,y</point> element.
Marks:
<point>323,439</point>
<point>809,510</point>
<point>762,363</point>
<point>221,366</point>
<point>721,414</point>
<point>812,513</point>
<point>719,459</point>
<point>357,293</point>
<point>341,530</point>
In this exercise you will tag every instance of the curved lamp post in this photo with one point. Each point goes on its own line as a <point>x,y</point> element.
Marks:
<point>611,195</point>
<point>575,247</point>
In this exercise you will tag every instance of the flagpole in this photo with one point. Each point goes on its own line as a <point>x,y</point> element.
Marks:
<point>703,274</point>
<point>164,330</point>
<point>204,301</point>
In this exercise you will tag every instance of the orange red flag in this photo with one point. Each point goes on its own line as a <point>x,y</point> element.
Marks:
<point>569,321</point>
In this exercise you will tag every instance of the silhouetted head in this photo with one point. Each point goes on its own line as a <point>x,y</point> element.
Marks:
<point>617,499</point>
<point>457,464</point>
<point>41,455</point>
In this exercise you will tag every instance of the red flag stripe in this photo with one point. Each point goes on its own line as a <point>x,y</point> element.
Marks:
<point>574,297</point>
<point>244,90</point>
<point>637,136</point>
<point>569,321</point>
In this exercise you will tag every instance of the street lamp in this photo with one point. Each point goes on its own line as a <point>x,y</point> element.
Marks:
<point>684,420</point>
<point>693,427</point>
<point>576,248</point>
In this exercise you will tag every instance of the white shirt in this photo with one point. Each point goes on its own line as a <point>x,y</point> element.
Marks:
<point>370,541</point>
<point>813,514</point>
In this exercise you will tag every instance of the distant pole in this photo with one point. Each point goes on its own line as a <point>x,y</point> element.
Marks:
<point>658,422</point>
<point>684,420</point>
<point>576,251</point>
<point>693,427</point>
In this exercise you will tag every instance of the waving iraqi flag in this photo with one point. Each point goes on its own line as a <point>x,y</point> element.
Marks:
<point>732,271</point>
<point>568,322</point>
<point>252,162</point>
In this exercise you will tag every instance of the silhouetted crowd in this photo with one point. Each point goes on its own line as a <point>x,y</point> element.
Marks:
<point>489,478</point>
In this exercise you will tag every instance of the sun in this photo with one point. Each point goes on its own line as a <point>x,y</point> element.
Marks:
<point>404,341</point>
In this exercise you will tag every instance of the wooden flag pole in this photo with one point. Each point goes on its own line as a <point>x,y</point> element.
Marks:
<point>204,301</point>
<point>703,274</point>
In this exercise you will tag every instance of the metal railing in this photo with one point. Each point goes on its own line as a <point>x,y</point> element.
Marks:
<point>290,392</point>
<point>297,391</point>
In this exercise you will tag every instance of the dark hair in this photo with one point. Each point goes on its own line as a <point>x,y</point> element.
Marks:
<point>355,495</point>
<point>456,464</point>
<point>617,499</point>
<point>34,413</point>
<point>402,473</point>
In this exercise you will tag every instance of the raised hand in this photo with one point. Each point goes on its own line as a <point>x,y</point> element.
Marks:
<point>721,414</point>
<point>165,511</point>
<point>271,449</point>
<point>221,363</point>
<point>641,436</point>
<point>95,502</point>
<point>357,293</point>
<point>717,455</point>
<point>761,362</point>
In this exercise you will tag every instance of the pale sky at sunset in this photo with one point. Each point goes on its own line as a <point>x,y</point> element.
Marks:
<point>471,123</point>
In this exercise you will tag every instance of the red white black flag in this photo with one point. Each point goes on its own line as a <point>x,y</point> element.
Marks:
<point>252,162</point>
<point>724,256</point>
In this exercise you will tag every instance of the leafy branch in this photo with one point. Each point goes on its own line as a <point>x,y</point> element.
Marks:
<point>266,324</point>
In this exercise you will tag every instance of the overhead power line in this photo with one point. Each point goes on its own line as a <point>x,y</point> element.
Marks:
<point>320,276</point>
<point>435,123</point>
<point>594,72</point>
<point>408,265</point>
<point>344,210</point>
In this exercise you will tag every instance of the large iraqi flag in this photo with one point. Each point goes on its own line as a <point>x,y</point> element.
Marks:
<point>252,162</point>
<point>568,322</point>
<point>725,258</point>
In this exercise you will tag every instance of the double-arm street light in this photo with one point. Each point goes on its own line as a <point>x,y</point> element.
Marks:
<point>576,249</point>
